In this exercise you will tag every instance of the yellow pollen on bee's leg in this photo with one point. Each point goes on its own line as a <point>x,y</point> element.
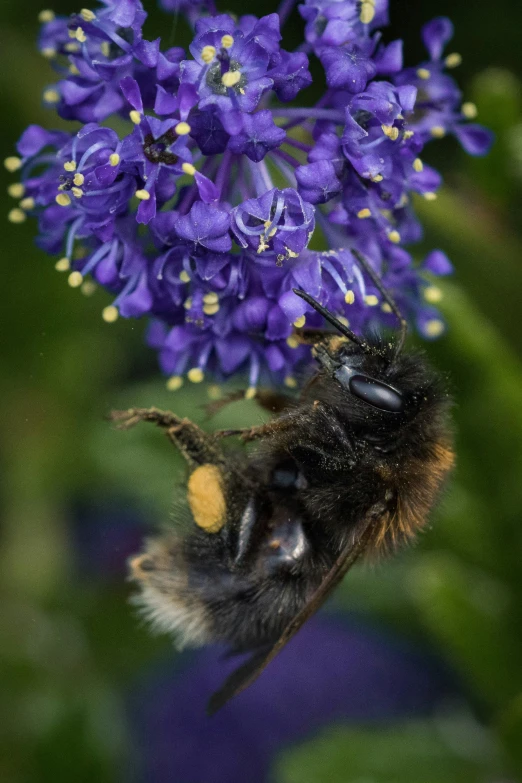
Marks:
<point>300,322</point>
<point>135,117</point>
<point>434,328</point>
<point>63,265</point>
<point>195,375</point>
<point>227,42</point>
<point>51,96</point>
<point>189,169</point>
<point>430,195</point>
<point>143,195</point>
<point>16,190</point>
<point>418,165</point>
<point>114,159</point>
<point>12,163</point>
<point>432,294</point>
<point>87,15</point>
<point>16,215</point>
<point>469,110</point>
<point>63,199</point>
<point>174,383</point>
<point>208,53</point>
<point>371,300</point>
<point>206,499</point>
<point>182,128</point>
<point>453,60</point>
<point>46,16</point>
<point>48,52</point>
<point>184,276</point>
<point>110,314</point>
<point>423,73</point>
<point>88,287</point>
<point>78,179</point>
<point>231,78</point>
<point>290,382</point>
<point>27,203</point>
<point>349,297</point>
<point>364,213</point>
<point>438,132</point>
<point>394,237</point>
<point>250,393</point>
<point>75,279</point>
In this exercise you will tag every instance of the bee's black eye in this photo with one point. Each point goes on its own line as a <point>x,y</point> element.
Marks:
<point>377,394</point>
<point>373,392</point>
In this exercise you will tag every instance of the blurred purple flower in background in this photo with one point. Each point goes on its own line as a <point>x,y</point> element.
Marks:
<point>201,212</point>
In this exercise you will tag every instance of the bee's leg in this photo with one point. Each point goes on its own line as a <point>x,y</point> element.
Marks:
<point>261,431</point>
<point>197,446</point>
<point>269,400</point>
<point>312,336</point>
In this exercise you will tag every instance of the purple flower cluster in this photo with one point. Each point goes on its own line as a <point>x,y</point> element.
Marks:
<point>201,189</point>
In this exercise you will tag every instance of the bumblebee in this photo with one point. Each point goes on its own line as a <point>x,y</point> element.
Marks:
<point>352,467</point>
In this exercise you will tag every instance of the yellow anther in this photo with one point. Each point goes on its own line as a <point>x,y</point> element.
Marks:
<point>292,341</point>
<point>231,78</point>
<point>105,48</point>
<point>250,393</point>
<point>343,320</point>
<point>430,196</point>
<point>135,117</point>
<point>434,328</point>
<point>453,60</point>
<point>87,15</point>
<point>71,33</point>
<point>12,163</point>
<point>80,35</point>
<point>208,53</point>
<point>438,132</point>
<point>349,297</point>
<point>48,52</point>
<point>423,73</point>
<point>51,96</point>
<point>187,304</point>
<point>73,70</point>
<point>408,134</point>
<point>418,165</point>
<point>63,199</point>
<point>114,159</point>
<point>184,276</point>
<point>110,314</point>
<point>432,294</point>
<point>377,178</point>
<point>27,203</point>
<point>371,300</point>
<point>75,279</point>
<point>77,192</point>
<point>63,265</point>
<point>290,381</point>
<point>195,375</point>
<point>300,322</point>
<point>367,12</point>
<point>16,190</point>
<point>78,179</point>
<point>46,16</point>
<point>182,129</point>
<point>211,298</point>
<point>211,309</point>
<point>469,110</point>
<point>189,169</point>
<point>70,165</point>
<point>391,132</point>
<point>174,383</point>
<point>88,287</point>
<point>72,46</point>
<point>227,42</point>
<point>16,215</point>
<point>394,236</point>
<point>143,195</point>
<point>364,213</point>
<point>385,307</point>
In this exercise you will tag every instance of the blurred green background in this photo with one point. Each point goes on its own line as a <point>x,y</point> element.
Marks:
<point>70,645</point>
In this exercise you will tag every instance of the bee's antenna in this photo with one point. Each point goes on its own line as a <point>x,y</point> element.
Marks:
<point>386,296</point>
<point>331,318</point>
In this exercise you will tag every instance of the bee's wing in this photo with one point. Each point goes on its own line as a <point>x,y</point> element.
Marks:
<point>246,674</point>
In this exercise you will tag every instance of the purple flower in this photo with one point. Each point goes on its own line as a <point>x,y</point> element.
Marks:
<point>200,210</point>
